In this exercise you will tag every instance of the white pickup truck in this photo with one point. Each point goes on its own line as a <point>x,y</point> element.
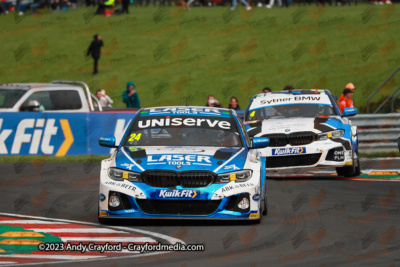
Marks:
<point>57,96</point>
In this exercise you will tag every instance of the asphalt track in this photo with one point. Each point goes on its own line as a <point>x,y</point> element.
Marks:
<point>313,220</point>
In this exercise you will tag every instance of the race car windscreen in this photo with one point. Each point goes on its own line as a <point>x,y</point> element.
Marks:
<point>183,131</point>
<point>274,108</point>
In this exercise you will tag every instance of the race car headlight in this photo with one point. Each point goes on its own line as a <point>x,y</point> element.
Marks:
<point>239,176</point>
<point>332,134</point>
<point>120,175</point>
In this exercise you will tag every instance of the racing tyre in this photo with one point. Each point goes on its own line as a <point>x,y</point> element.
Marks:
<point>265,203</point>
<point>350,171</point>
<point>101,220</point>
<point>263,208</point>
<point>345,171</point>
<point>357,169</point>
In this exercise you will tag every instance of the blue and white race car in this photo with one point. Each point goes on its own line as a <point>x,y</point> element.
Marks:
<point>306,129</point>
<point>183,163</point>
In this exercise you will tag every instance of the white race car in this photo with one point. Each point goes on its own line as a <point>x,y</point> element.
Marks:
<point>306,129</point>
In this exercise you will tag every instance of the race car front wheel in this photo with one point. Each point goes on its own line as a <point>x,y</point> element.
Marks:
<point>265,202</point>
<point>350,171</point>
<point>99,219</point>
<point>263,207</point>
<point>357,169</point>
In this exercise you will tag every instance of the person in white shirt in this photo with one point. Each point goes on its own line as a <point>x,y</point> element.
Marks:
<point>105,100</point>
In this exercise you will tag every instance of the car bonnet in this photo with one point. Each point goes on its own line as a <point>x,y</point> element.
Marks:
<point>214,159</point>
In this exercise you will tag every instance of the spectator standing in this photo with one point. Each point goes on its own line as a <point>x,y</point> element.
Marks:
<point>4,7</point>
<point>288,87</point>
<point>349,86</point>
<point>105,100</point>
<point>95,51</point>
<point>212,102</point>
<point>103,5</point>
<point>24,4</point>
<point>266,90</point>
<point>234,103</point>
<point>347,101</point>
<point>234,4</point>
<point>125,6</point>
<point>271,3</point>
<point>130,96</point>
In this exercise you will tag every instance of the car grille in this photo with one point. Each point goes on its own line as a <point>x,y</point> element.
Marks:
<point>178,207</point>
<point>294,139</point>
<point>292,161</point>
<point>185,179</point>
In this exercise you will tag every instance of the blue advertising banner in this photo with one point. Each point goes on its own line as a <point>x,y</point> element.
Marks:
<point>59,134</point>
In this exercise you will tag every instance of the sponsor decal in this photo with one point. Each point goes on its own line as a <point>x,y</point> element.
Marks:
<point>288,151</point>
<point>43,131</point>
<point>190,122</point>
<point>228,188</point>
<point>338,155</point>
<point>231,167</point>
<point>102,197</point>
<point>181,149</point>
<point>256,197</point>
<point>179,159</point>
<point>182,110</point>
<point>177,193</point>
<point>290,99</point>
<point>127,166</point>
<point>122,185</point>
<point>254,215</point>
<point>128,211</point>
<point>384,173</point>
<point>107,139</point>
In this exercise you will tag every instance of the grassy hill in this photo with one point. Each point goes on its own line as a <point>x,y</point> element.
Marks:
<point>227,52</point>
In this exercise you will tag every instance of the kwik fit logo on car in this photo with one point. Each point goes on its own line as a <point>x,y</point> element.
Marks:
<point>177,193</point>
<point>288,151</point>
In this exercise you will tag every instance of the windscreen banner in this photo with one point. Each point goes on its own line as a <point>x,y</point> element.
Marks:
<point>59,134</point>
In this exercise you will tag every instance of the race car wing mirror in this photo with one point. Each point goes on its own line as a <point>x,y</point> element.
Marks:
<point>349,112</point>
<point>260,142</point>
<point>107,141</point>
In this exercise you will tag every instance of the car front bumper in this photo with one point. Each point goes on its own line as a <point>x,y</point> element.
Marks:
<point>216,201</point>
<point>319,154</point>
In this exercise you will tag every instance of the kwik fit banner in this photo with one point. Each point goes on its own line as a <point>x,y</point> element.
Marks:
<point>59,134</point>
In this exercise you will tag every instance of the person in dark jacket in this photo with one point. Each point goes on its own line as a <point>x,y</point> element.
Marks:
<point>130,96</point>
<point>234,103</point>
<point>94,51</point>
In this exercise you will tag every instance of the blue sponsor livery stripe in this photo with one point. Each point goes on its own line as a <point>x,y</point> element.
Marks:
<point>134,162</point>
<point>226,162</point>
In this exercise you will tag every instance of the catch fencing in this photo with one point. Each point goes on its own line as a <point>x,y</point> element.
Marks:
<point>377,132</point>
